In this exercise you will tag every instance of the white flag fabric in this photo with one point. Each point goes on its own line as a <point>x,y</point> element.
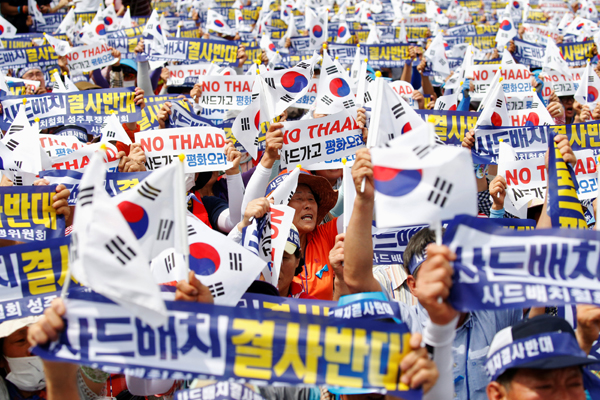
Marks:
<point>106,256</point>
<point>343,33</point>
<point>153,28</point>
<point>439,179</point>
<point>506,31</point>
<point>150,210</point>
<point>553,59</point>
<point>334,93</point>
<point>283,87</point>
<point>57,85</point>
<point>391,116</point>
<point>113,130</point>
<point>285,187</point>
<point>67,23</point>
<point>374,34</point>
<point>507,58</point>
<point>436,53</point>
<point>268,46</point>
<point>290,32</point>
<point>316,23</point>
<point>225,267</point>
<point>125,22</point>
<point>216,22</point>
<point>61,47</point>
<point>35,11</point>
<point>7,30</point>
<point>447,102</point>
<point>494,111</point>
<point>403,36</point>
<point>246,125</point>
<point>589,88</point>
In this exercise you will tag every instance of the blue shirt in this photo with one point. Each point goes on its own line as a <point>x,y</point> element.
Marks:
<point>470,349</point>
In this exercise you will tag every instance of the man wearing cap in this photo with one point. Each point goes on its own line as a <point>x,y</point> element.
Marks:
<point>33,74</point>
<point>537,359</point>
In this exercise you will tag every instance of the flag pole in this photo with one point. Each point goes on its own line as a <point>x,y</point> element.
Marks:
<point>180,199</point>
<point>598,196</point>
<point>438,240</point>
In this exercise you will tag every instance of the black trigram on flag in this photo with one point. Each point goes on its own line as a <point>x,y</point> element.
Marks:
<point>432,53</point>
<point>191,230</point>
<point>148,191</point>
<point>369,78</point>
<point>235,261</point>
<point>217,289</point>
<point>165,227</point>
<point>245,123</point>
<point>111,134</point>
<point>302,65</point>
<point>348,103</point>
<point>590,79</point>
<point>287,98</point>
<point>439,193</point>
<point>19,164</point>
<point>118,248</point>
<point>270,82</point>
<point>534,105</point>
<point>325,99</point>
<point>14,129</point>
<point>12,144</point>
<point>18,181</point>
<point>254,96</point>
<point>499,103</point>
<point>422,151</point>
<point>85,197</point>
<point>398,110</point>
<point>170,262</point>
<point>440,105</point>
<point>367,97</point>
<point>331,70</point>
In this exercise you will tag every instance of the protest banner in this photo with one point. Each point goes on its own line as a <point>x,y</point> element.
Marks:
<point>40,56</point>
<point>450,126</point>
<point>498,268</point>
<point>187,75</point>
<point>226,92</point>
<point>562,84</point>
<point>149,118</point>
<point>219,391</point>
<point>32,269</point>
<point>183,115</point>
<point>26,214</point>
<point>89,58</point>
<point>193,51</point>
<point>203,148</point>
<point>87,109</point>
<point>536,33</point>
<point>313,141</point>
<point>203,340</point>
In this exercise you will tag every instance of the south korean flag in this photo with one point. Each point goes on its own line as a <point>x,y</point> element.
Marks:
<point>334,92</point>
<point>343,32</point>
<point>216,22</point>
<point>589,88</point>
<point>150,210</point>
<point>7,30</point>
<point>225,267</point>
<point>391,116</point>
<point>283,87</point>
<point>417,182</point>
<point>316,23</point>
<point>246,126</point>
<point>436,54</point>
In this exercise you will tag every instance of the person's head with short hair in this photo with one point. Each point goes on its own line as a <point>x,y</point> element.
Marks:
<point>414,255</point>
<point>538,359</point>
<point>33,74</point>
<point>568,104</point>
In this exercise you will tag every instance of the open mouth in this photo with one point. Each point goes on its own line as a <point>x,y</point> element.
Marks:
<point>307,217</point>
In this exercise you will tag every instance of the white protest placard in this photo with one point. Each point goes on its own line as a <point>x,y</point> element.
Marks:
<point>526,177</point>
<point>516,80</point>
<point>89,58</point>
<point>228,92</point>
<point>180,75</point>
<point>405,90</point>
<point>312,141</point>
<point>539,34</point>
<point>77,160</point>
<point>57,146</point>
<point>561,84</point>
<point>203,147</point>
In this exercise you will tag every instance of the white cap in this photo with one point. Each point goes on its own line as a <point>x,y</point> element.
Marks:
<point>9,327</point>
